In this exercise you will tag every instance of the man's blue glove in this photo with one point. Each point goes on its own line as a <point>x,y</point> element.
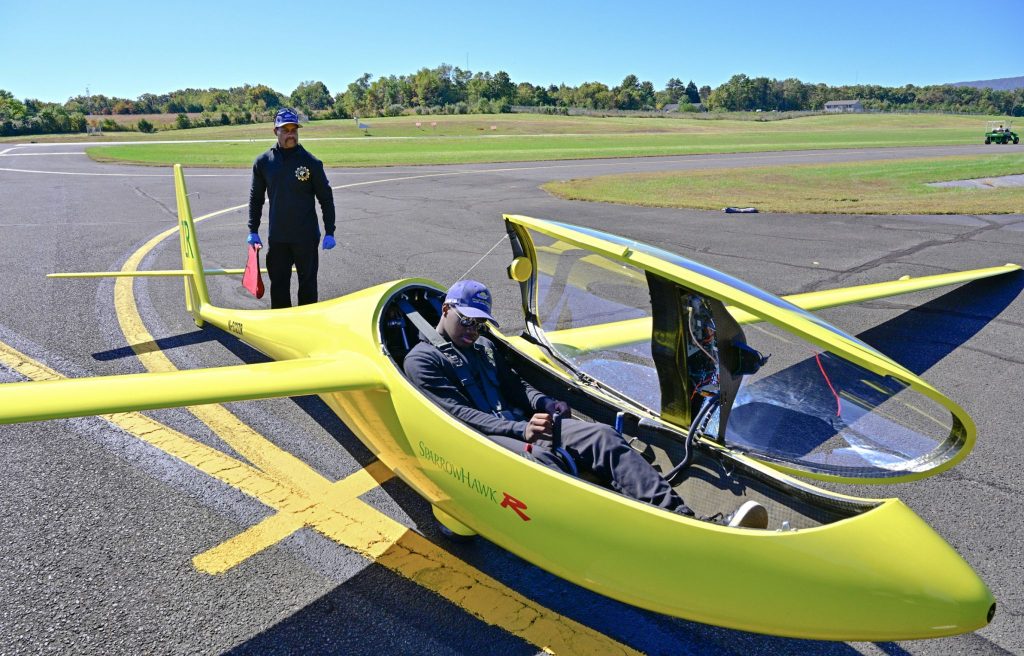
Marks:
<point>328,242</point>
<point>254,238</point>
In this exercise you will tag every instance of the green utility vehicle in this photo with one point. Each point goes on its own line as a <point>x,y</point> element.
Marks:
<point>999,132</point>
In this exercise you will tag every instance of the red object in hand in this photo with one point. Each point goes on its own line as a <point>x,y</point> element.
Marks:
<point>251,279</point>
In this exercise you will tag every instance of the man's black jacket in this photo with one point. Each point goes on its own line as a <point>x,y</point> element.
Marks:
<point>431,371</point>
<point>292,178</point>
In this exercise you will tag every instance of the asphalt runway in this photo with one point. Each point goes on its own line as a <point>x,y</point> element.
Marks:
<point>101,526</point>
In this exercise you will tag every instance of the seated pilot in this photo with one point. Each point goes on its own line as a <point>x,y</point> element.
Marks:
<point>484,392</point>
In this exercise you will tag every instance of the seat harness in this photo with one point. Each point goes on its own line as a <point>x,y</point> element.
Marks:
<point>485,400</point>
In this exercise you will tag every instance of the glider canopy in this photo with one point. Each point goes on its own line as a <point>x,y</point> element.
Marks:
<point>664,334</point>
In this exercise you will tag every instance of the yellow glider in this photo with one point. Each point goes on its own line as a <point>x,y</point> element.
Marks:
<point>654,344</point>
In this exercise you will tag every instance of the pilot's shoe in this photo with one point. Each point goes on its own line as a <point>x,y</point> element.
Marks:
<point>750,515</point>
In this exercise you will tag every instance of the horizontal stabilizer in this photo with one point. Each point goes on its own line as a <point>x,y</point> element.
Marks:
<point>82,397</point>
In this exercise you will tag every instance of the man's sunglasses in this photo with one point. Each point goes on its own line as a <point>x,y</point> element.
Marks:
<point>466,322</point>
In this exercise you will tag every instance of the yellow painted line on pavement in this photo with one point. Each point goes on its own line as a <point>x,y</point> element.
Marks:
<point>275,528</point>
<point>205,458</point>
<point>246,544</point>
<point>303,498</point>
<point>350,522</point>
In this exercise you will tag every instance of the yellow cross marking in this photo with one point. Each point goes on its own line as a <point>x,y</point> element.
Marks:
<point>277,527</point>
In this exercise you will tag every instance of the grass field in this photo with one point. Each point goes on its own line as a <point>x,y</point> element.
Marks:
<point>890,187</point>
<point>525,137</point>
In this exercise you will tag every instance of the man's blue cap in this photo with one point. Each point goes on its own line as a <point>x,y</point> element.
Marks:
<point>472,299</point>
<point>286,116</point>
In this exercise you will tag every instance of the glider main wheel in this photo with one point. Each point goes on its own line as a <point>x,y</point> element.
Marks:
<point>453,536</point>
<point>452,528</point>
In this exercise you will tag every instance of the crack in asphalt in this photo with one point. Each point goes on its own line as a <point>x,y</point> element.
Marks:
<point>944,313</point>
<point>748,258</point>
<point>1001,357</point>
<point>1001,488</point>
<point>950,313</point>
<point>159,202</point>
<point>894,256</point>
<point>746,233</point>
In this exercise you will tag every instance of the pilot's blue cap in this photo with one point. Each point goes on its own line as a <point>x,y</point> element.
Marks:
<point>286,116</point>
<point>472,299</point>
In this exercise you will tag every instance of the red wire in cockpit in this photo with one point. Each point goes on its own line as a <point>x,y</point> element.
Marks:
<point>839,406</point>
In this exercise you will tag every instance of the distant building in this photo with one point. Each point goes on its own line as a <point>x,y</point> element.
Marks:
<point>671,107</point>
<point>844,106</point>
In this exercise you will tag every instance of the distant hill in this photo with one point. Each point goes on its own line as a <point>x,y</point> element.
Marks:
<point>1001,84</point>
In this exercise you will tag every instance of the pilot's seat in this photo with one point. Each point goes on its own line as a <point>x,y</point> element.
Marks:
<point>398,333</point>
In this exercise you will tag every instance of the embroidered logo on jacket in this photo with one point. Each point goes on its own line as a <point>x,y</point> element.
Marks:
<point>302,174</point>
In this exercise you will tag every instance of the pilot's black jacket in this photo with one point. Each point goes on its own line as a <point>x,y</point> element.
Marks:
<point>429,369</point>
<point>595,447</point>
<point>293,178</point>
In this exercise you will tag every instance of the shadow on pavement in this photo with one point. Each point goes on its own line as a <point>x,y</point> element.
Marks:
<point>924,335</point>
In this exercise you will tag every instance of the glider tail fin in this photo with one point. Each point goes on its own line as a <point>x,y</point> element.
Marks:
<point>196,293</point>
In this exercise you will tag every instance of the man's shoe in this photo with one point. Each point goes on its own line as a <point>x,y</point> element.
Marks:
<point>750,515</point>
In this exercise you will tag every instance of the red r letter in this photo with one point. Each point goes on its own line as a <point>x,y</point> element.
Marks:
<point>515,504</point>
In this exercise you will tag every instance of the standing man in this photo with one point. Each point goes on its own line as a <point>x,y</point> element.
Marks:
<point>292,177</point>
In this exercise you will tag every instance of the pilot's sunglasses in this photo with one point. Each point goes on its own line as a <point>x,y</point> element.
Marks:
<point>466,322</point>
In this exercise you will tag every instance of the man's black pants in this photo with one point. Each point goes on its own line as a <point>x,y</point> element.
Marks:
<point>281,256</point>
<point>598,448</point>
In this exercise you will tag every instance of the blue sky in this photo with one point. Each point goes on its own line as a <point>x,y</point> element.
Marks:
<point>51,52</point>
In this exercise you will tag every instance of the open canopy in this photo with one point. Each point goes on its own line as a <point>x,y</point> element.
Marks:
<point>667,333</point>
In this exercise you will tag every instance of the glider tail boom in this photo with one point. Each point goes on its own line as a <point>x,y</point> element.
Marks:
<point>196,293</point>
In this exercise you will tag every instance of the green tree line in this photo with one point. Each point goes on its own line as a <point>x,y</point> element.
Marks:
<point>451,90</point>
<point>742,93</point>
<point>238,105</point>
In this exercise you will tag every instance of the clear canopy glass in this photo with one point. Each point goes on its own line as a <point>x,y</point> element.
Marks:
<point>807,408</point>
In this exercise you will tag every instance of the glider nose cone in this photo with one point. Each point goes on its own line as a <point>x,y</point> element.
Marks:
<point>881,576</point>
<point>918,582</point>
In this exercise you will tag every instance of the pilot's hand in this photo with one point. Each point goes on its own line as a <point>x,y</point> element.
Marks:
<point>254,239</point>
<point>557,408</point>
<point>328,242</point>
<point>539,426</point>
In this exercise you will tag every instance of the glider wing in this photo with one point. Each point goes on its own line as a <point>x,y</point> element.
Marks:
<point>861,293</point>
<point>632,331</point>
<point>80,397</point>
